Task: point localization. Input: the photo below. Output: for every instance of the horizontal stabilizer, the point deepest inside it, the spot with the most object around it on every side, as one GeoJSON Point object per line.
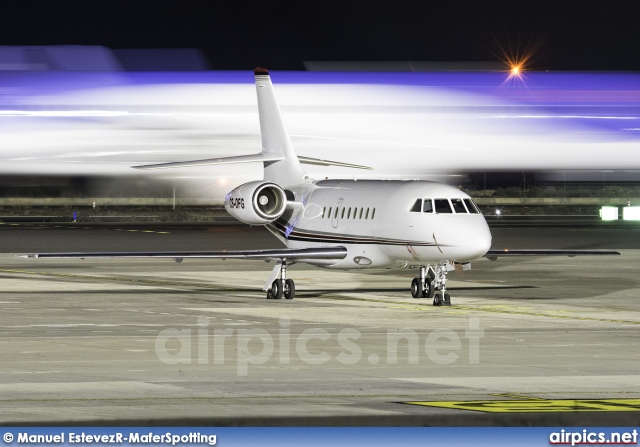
{"type": "Point", "coordinates": [493, 254]}
{"type": "Point", "coordinates": [320, 162]}
{"type": "Point", "coordinates": [253, 158]}
{"type": "Point", "coordinates": [215, 161]}
{"type": "Point", "coordinates": [337, 252]}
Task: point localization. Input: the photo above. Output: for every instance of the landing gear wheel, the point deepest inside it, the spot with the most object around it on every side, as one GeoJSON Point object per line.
{"type": "Point", "coordinates": [447, 300]}
{"type": "Point", "coordinates": [276, 289]}
{"type": "Point", "coordinates": [437, 300]}
{"type": "Point", "coordinates": [428, 290]}
{"type": "Point", "coordinates": [416, 288]}
{"type": "Point", "coordinates": [289, 289]}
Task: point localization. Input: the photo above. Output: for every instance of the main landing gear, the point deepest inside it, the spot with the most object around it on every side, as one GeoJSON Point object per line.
{"type": "Point", "coordinates": [282, 286]}
{"type": "Point", "coordinates": [432, 284]}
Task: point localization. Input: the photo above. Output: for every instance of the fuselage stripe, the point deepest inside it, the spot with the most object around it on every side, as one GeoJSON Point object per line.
{"type": "Point", "coordinates": [296, 235]}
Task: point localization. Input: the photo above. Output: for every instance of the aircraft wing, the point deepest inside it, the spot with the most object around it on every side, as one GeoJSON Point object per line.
{"type": "Point", "coordinates": [336, 252]}
{"type": "Point", "coordinates": [494, 254]}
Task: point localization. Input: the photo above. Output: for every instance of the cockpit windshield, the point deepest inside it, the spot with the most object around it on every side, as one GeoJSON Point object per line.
{"type": "Point", "coordinates": [458, 206]}
{"type": "Point", "coordinates": [445, 206]}
{"type": "Point", "coordinates": [471, 206]}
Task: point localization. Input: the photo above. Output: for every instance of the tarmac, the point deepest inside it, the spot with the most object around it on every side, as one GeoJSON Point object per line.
{"type": "Point", "coordinates": [530, 341]}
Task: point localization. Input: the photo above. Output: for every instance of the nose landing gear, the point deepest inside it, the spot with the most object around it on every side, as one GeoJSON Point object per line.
{"type": "Point", "coordinates": [432, 279]}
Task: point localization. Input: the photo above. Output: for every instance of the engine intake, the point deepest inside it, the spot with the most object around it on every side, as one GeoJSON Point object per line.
{"type": "Point", "coordinates": [256, 203]}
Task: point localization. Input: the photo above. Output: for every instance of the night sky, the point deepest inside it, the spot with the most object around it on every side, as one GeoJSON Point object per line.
{"type": "Point", "coordinates": [239, 35]}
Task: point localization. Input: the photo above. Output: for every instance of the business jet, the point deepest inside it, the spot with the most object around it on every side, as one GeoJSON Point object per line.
{"type": "Point", "coordinates": [344, 224]}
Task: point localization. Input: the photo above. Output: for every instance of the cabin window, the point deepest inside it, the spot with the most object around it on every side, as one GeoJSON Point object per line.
{"type": "Point", "coordinates": [349, 213]}
{"type": "Point", "coordinates": [373, 213]}
{"type": "Point", "coordinates": [342, 214]}
{"type": "Point", "coordinates": [416, 206]}
{"type": "Point", "coordinates": [427, 207]}
{"type": "Point", "coordinates": [361, 210]}
{"type": "Point", "coordinates": [443, 206]}
{"type": "Point", "coordinates": [473, 209]}
{"type": "Point", "coordinates": [324, 210]}
{"type": "Point", "coordinates": [366, 216]}
{"type": "Point", "coordinates": [458, 206]}
{"type": "Point", "coordinates": [335, 213]}
{"type": "Point", "coordinates": [329, 215]}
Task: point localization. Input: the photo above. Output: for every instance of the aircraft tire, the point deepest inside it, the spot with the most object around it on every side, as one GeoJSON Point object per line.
{"type": "Point", "coordinates": [416, 288]}
{"type": "Point", "coordinates": [276, 289]}
{"type": "Point", "coordinates": [290, 289]}
{"type": "Point", "coordinates": [447, 300]}
{"type": "Point", "coordinates": [429, 290]}
{"type": "Point", "coordinates": [437, 300]}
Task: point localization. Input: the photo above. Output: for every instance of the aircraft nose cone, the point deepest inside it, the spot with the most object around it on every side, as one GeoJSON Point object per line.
{"type": "Point", "coordinates": [478, 239]}
{"type": "Point", "coordinates": [461, 238]}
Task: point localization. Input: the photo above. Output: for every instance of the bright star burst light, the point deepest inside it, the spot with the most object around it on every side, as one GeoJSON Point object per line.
{"type": "Point", "coordinates": [516, 68]}
{"type": "Point", "coordinates": [518, 59]}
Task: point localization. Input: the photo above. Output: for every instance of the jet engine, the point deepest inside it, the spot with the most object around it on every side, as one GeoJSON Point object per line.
{"type": "Point", "coordinates": [256, 203]}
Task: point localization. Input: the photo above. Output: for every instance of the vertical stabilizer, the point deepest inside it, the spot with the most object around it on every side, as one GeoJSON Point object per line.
{"type": "Point", "coordinates": [275, 138]}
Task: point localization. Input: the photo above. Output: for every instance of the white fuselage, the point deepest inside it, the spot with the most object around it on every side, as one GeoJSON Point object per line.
{"type": "Point", "coordinates": [381, 225]}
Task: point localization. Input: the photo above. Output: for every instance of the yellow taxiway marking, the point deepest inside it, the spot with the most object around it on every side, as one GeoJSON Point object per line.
{"type": "Point", "coordinates": [537, 405]}
{"type": "Point", "coordinates": [499, 309]}
{"type": "Point", "coordinates": [503, 309]}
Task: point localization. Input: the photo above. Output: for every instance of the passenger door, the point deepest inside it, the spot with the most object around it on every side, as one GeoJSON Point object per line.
{"type": "Point", "coordinates": [335, 218]}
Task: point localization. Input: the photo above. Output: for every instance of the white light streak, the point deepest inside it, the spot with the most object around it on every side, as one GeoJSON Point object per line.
{"type": "Point", "coordinates": [74, 113]}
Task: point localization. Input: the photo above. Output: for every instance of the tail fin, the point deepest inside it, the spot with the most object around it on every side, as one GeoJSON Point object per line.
{"type": "Point", "coordinates": [281, 164]}
{"type": "Point", "coordinates": [275, 138]}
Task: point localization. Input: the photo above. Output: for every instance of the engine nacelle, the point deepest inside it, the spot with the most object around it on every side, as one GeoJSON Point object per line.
{"type": "Point", "coordinates": [256, 203]}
